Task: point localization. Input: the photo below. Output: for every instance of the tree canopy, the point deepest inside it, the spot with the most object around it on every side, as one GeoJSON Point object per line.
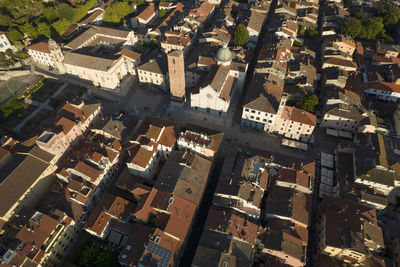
{"type": "Point", "coordinates": [309, 103]}
{"type": "Point", "coordinates": [351, 27]}
{"type": "Point", "coordinates": [115, 13]}
{"type": "Point", "coordinates": [50, 14]}
{"type": "Point", "coordinates": [44, 29]}
{"type": "Point", "coordinates": [241, 36]}
{"type": "Point", "coordinates": [65, 11]}
{"type": "Point", "coordinates": [5, 20]}
{"type": "Point", "coordinates": [373, 28]}
{"type": "Point", "coordinates": [14, 35]}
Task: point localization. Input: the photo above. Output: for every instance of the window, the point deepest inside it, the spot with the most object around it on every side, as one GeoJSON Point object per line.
{"type": "Point", "coordinates": [251, 117]}
{"type": "Point", "coordinates": [246, 109]}
{"type": "Point", "coordinates": [253, 111]}
{"type": "Point", "coordinates": [264, 120]}
{"type": "Point", "coordinates": [258, 118]}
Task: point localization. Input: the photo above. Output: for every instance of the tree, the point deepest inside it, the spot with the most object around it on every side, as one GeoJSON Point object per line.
{"type": "Point", "coordinates": [50, 14]}
{"type": "Point", "coordinates": [65, 11]}
{"type": "Point", "coordinates": [14, 35]}
{"type": "Point", "coordinates": [60, 25]}
{"type": "Point", "coordinates": [117, 12]}
{"type": "Point", "coordinates": [351, 27]}
{"type": "Point", "coordinates": [372, 28]}
{"type": "Point", "coordinates": [309, 103]}
{"type": "Point", "coordinates": [29, 30]}
{"type": "Point", "coordinates": [241, 36]}
{"type": "Point", "coordinates": [161, 13]}
{"type": "Point", "coordinates": [44, 28]}
{"type": "Point", "coordinates": [5, 20]}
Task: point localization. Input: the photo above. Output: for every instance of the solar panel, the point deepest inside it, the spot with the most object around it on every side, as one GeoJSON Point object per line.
{"type": "Point", "coordinates": [165, 255]}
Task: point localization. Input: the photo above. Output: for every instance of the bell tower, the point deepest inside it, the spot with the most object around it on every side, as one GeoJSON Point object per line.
{"type": "Point", "coordinates": [176, 70]}
{"type": "Point", "coordinates": [57, 55]}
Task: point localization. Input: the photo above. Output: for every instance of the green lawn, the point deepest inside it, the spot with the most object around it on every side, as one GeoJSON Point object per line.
{"type": "Point", "coordinates": [69, 93]}
{"type": "Point", "coordinates": [14, 111]}
{"type": "Point", "coordinates": [44, 92]}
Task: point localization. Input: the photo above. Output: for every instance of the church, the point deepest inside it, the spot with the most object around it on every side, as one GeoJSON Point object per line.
{"type": "Point", "coordinates": [218, 82]}
{"type": "Point", "coordinates": [100, 55]}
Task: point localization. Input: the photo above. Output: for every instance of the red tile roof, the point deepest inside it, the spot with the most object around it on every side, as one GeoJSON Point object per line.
{"type": "Point", "coordinates": [41, 47]}
{"type": "Point", "coordinates": [129, 53]}
{"type": "Point", "coordinates": [383, 86]}
{"type": "Point", "coordinates": [147, 13]}
{"type": "Point", "coordinates": [299, 115]}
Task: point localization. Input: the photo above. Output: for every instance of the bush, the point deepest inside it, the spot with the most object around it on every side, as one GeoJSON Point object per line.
{"type": "Point", "coordinates": [241, 36]}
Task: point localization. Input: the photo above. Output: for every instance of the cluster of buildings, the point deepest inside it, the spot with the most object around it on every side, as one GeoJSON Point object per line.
{"type": "Point", "coordinates": [282, 72]}
{"type": "Point", "coordinates": [140, 185]}
{"type": "Point", "coordinates": [233, 233]}
{"type": "Point", "coordinates": [60, 182]}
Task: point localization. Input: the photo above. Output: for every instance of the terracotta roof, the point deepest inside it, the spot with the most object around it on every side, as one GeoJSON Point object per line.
{"type": "Point", "coordinates": [167, 137]}
{"type": "Point", "coordinates": [227, 89]}
{"type": "Point", "coordinates": [227, 222]}
{"type": "Point", "coordinates": [147, 13]}
{"type": "Point", "coordinates": [206, 61]}
{"type": "Point", "coordinates": [37, 230]}
{"type": "Point", "coordinates": [294, 177]}
{"type": "Point", "coordinates": [298, 115]}
{"type": "Point", "coordinates": [143, 155]}
{"type": "Point", "coordinates": [207, 7]}
{"type": "Point", "coordinates": [129, 182]}
{"type": "Point", "coordinates": [184, 174]}
{"type": "Point", "coordinates": [41, 47]}
{"type": "Point", "coordinates": [87, 170]}
{"type": "Point", "coordinates": [383, 86]}
{"type": "Point", "coordinates": [129, 53]}
{"type": "Point", "coordinates": [91, 17]}
{"type": "Point", "coordinates": [346, 41]}
{"type": "Point", "coordinates": [182, 212]}
{"type": "Point", "coordinates": [289, 203]}
{"type": "Point", "coordinates": [256, 21]}
{"type": "Point", "coordinates": [69, 30]}
{"type": "Point", "coordinates": [350, 218]}
{"type": "Point", "coordinates": [340, 62]}
{"type": "Point", "coordinates": [109, 206]}
{"type": "Point", "coordinates": [144, 205]}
